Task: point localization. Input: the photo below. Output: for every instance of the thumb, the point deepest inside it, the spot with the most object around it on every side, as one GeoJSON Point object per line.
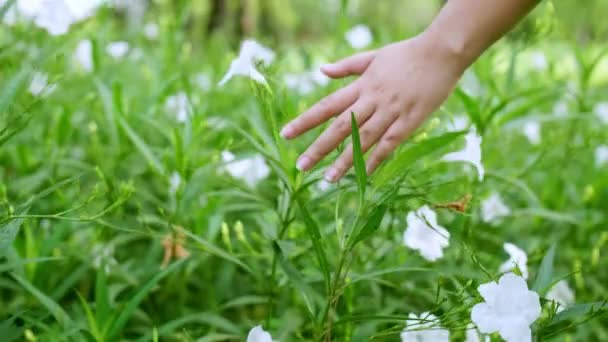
{"type": "Point", "coordinates": [353, 65]}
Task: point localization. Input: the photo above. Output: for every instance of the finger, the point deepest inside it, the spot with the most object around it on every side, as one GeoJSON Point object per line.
{"type": "Point", "coordinates": [353, 65]}
{"type": "Point", "coordinates": [334, 135]}
{"type": "Point", "coordinates": [395, 135]}
{"type": "Point", "coordinates": [369, 134]}
{"type": "Point", "coordinates": [321, 111]}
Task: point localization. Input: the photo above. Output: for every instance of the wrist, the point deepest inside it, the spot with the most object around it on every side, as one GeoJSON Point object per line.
{"type": "Point", "coordinates": [452, 49]}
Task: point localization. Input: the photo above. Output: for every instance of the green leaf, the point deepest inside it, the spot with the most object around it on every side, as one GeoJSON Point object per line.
{"type": "Point", "coordinates": [471, 105]}
{"type": "Point", "coordinates": [93, 326]}
{"type": "Point", "coordinates": [371, 225]}
{"type": "Point", "coordinates": [199, 318]}
{"type": "Point", "coordinates": [8, 233]}
{"type": "Point", "coordinates": [298, 282]}
{"type": "Point", "coordinates": [545, 273]}
{"type": "Point", "coordinates": [410, 155]}
{"type": "Point", "coordinates": [9, 331]}
{"type": "Point", "coordinates": [244, 301]}
{"type": "Point", "coordinates": [358, 160]}
{"type": "Point", "coordinates": [579, 311]}
{"type": "Point", "coordinates": [312, 229]}
{"type": "Point", "coordinates": [55, 309]}
{"type": "Point", "coordinates": [127, 310]}
{"type": "Point", "coordinates": [212, 249]}
{"type": "Point", "coordinates": [102, 298]}
{"type": "Point", "coordinates": [11, 88]}
{"type": "Point", "coordinates": [141, 146]}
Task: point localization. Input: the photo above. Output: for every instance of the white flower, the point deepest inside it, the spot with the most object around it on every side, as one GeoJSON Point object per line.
{"type": "Point", "coordinates": [470, 154]}
{"type": "Point", "coordinates": [117, 49]}
{"type": "Point", "coordinates": [509, 308]}
{"type": "Point", "coordinates": [601, 155]}
{"type": "Point", "coordinates": [175, 180]}
{"type": "Point", "coordinates": [202, 81]}
{"type": "Point", "coordinates": [424, 328]}
{"type": "Point", "coordinates": [562, 294]}
{"type": "Point", "coordinates": [531, 130]}
{"type": "Point", "coordinates": [227, 156]}
{"type": "Point", "coordinates": [39, 84]}
{"type": "Point", "coordinates": [560, 109]}
{"type": "Point", "coordinates": [52, 15]}
{"type": "Point", "coordinates": [258, 334]}
{"type": "Point", "coordinates": [601, 110]}
{"type": "Point", "coordinates": [359, 37]}
{"type": "Point", "coordinates": [245, 64]}
{"type": "Point", "coordinates": [103, 257]}
{"type": "Point", "coordinates": [151, 31]}
{"type": "Point", "coordinates": [493, 208]}
{"type": "Point", "coordinates": [305, 83]}
{"type": "Point", "coordinates": [55, 16]}
{"type": "Point", "coordinates": [301, 83]}
{"type": "Point", "coordinates": [539, 61]}
{"type": "Point", "coordinates": [80, 9]}
{"type": "Point", "coordinates": [178, 105]}
{"type": "Point", "coordinates": [323, 185]}
{"type": "Point", "coordinates": [457, 123]}
{"type": "Point", "coordinates": [250, 170]}
{"type": "Point", "coordinates": [517, 258]}
{"type": "Point", "coordinates": [425, 235]}
{"type": "Point", "coordinates": [84, 55]}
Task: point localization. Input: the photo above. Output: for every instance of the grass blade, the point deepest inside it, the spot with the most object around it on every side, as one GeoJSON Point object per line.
{"type": "Point", "coordinates": [297, 281]}
{"type": "Point", "coordinates": [412, 154]}
{"type": "Point", "coordinates": [141, 145]}
{"type": "Point", "coordinates": [128, 309]}
{"type": "Point", "coordinates": [545, 273]}
{"type": "Point", "coordinates": [8, 233]}
{"type": "Point", "coordinates": [312, 229]}
{"type": "Point", "coordinates": [55, 309]}
{"type": "Point", "coordinates": [212, 249]}
{"type": "Point", "coordinates": [9, 331]}
{"type": "Point", "coordinates": [358, 159]}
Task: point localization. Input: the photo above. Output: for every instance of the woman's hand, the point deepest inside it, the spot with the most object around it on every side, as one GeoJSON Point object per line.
{"type": "Point", "coordinates": [400, 86]}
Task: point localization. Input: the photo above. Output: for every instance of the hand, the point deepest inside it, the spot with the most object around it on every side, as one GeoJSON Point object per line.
{"type": "Point", "coordinates": [400, 86]}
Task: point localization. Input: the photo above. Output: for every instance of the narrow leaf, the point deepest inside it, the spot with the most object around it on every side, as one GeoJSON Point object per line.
{"type": "Point", "coordinates": [8, 233]}
{"type": "Point", "coordinates": [545, 273]}
{"type": "Point", "coordinates": [371, 225]}
{"type": "Point", "coordinates": [312, 229]}
{"type": "Point", "coordinates": [358, 160]}
{"type": "Point", "coordinates": [410, 155]}
{"type": "Point", "coordinates": [141, 146]}
{"type": "Point", "coordinates": [130, 307]}
{"type": "Point", "coordinates": [55, 309]}
{"type": "Point", "coordinates": [214, 250]}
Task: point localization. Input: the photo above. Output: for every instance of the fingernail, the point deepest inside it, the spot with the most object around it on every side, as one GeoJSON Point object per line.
{"type": "Point", "coordinates": [287, 132]}
{"type": "Point", "coordinates": [331, 175]}
{"type": "Point", "coordinates": [304, 163]}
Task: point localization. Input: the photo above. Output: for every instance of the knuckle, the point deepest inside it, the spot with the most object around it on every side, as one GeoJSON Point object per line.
{"type": "Point", "coordinates": [391, 140]}
{"type": "Point", "coordinates": [325, 105]}
{"type": "Point", "coordinates": [343, 125]}
{"type": "Point", "coordinates": [366, 133]}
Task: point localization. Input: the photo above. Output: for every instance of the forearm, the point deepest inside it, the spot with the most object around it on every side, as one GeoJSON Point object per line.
{"type": "Point", "coordinates": [464, 29]}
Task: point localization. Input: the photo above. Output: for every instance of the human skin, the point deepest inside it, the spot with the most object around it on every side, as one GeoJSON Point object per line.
{"type": "Point", "coordinates": [401, 84]}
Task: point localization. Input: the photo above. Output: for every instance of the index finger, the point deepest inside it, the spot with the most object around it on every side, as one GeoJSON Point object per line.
{"type": "Point", "coordinates": [322, 111]}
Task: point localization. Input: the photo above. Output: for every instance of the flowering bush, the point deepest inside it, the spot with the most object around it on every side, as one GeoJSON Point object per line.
{"type": "Point", "coordinates": [146, 193]}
